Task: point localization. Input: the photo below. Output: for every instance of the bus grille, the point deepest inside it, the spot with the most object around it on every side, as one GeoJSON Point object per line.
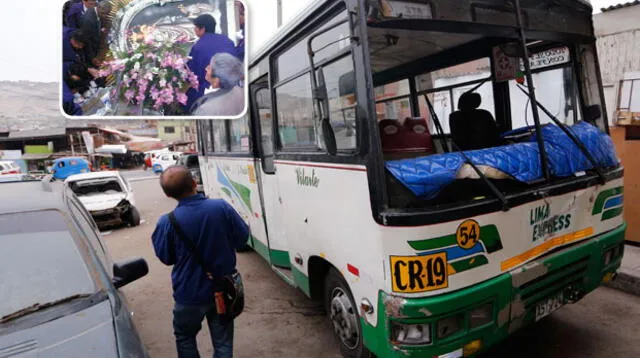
{"type": "Point", "coordinates": [553, 281]}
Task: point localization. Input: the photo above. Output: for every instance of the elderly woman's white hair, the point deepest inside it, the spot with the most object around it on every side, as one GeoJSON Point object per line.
{"type": "Point", "coordinates": [228, 69]}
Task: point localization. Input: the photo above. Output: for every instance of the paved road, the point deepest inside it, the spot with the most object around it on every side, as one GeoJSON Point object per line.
{"type": "Point", "coordinates": [279, 321]}
{"type": "Point", "coordinates": [138, 174]}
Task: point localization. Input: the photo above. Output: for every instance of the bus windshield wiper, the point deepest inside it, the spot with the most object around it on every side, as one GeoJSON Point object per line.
{"type": "Point", "coordinates": [467, 160]}
{"type": "Point", "coordinates": [38, 307]}
{"type": "Point", "coordinates": [574, 139]}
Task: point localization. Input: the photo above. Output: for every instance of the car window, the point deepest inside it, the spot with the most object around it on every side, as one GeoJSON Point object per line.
{"type": "Point", "coordinates": [92, 233]}
{"type": "Point", "coordinates": [40, 261]}
{"type": "Point", "coordinates": [60, 164]}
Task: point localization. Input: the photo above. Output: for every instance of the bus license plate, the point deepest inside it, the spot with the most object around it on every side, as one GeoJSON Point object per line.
{"type": "Point", "coordinates": [411, 274]}
{"type": "Point", "coordinates": [548, 306]}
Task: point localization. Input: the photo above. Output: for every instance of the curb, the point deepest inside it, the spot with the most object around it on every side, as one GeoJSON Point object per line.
{"type": "Point", "coordinates": [626, 281]}
{"type": "Point", "coordinates": [143, 178]}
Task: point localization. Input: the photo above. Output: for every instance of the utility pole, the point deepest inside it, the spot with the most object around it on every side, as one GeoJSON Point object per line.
{"type": "Point", "coordinates": [73, 152]}
{"type": "Point", "coordinates": [279, 5]}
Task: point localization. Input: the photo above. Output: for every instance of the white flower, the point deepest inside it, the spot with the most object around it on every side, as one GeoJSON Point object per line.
{"type": "Point", "coordinates": [136, 66]}
{"type": "Point", "coordinates": [163, 82]}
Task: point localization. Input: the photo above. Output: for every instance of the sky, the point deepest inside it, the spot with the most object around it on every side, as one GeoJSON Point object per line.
{"type": "Point", "coordinates": [30, 42]}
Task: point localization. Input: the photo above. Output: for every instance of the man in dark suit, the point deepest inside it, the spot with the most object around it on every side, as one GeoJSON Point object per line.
{"type": "Point", "coordinates": [74, 15]}
{"type": "Point", "coordinates": [91, 27]}
{"type": "Point", "coordinates": [208, 44]}
{"type": "Point", "coordinates": [73, 42]}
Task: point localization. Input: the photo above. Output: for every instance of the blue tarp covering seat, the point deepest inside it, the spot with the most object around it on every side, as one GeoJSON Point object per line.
{"type": "Point", "coordinates": [426, 176]}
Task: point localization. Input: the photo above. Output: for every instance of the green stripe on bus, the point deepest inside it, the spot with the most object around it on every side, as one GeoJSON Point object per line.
{"type": "Point", "coordinates": [435, 243]}
{"type": "Point", "coordinates": [602, 197]}
{"type": "Point", "coordinates": [302, 281]}
{"type": "Point", "coordinates": [611, 213]}
{"type": "Point", "coordinates": [469, 263]}
{"type": "Point", "coordinates": [275, 257]}
{"type": "Point", "coordinates": [489, 235]}
{"type": "Point", "coordinates": [226, 191]}
{"type": "Point", "coordinates": [261, 249]}
{"type": "Point", "coordinates": [244, 192]}
{"type": "Point", "coordinates": [280, 258]}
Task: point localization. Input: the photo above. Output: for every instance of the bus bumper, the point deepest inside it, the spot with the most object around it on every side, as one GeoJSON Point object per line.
{"type": "Point", "coordinates": [470, 320]}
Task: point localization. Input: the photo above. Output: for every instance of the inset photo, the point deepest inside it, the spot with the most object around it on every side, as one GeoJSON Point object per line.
{"type": "Point", "coordinates": [148, 59]}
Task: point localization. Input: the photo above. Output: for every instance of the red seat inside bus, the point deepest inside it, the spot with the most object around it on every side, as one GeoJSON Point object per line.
{"type": "Point", "coordinates": [411, 137]}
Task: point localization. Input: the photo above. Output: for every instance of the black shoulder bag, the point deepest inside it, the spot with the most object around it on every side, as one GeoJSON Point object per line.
{"type": "Point", "coordinates": [228, 290]}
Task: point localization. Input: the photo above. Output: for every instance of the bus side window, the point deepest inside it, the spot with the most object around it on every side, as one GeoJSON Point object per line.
{"type": "Point", "coordinates": [263, 103]}
{"type": "Point", "coordinates": [342, 101]}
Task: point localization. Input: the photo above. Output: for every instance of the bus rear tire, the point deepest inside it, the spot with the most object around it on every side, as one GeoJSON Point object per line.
{"type": "Point", "coordinates": [343, 314]}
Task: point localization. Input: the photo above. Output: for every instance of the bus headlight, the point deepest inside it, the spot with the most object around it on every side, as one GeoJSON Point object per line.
{"type": "Point", "coordinates": [480, 316]}
{"type": "Point", "coordinates": [449, 326]}
{"type": "Point", "coordinates": [413, 334]}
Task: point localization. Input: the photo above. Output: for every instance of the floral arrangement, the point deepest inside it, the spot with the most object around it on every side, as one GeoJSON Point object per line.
{"type": "Point", "coordinates": [154, 72]}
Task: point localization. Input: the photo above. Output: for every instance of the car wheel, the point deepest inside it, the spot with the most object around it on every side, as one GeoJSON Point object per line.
{"type": "Point", "coordinates": [133, 217]}
{"type": "Point", "coordinates": [343, 313]}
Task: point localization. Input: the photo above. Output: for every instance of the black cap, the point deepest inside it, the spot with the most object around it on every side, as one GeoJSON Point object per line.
{"type": "Point", "coordinates": [207, 22]}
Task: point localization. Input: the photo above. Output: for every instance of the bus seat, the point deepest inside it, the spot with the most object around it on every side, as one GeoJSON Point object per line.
{"type": "Point", "coordinates": [409, 138]}
{"type": "Point", "coordinates": [418, 137]}
{"type": "Point", "coordinates": [473, 128]}
{"type": "Point", "coordinates": [390, 131]}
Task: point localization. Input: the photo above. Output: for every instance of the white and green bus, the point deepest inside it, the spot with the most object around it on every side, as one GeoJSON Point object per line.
{"type": "Point", "coordinates": [438, 172]}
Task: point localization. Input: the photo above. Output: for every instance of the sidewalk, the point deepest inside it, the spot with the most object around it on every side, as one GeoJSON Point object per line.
{"type": "Point", "coordinates": [628, 279]}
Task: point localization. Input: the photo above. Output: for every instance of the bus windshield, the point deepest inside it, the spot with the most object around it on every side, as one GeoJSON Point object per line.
{"type": "Point", "coordinates": [463, 117]}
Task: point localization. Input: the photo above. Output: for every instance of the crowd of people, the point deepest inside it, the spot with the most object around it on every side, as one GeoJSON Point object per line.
{"type": "Point", "coordinates": [214, 58]}
{"type": "Point", "coordinates": [218, 63]}
{"type": "Point", "coordinates": [82, 34]}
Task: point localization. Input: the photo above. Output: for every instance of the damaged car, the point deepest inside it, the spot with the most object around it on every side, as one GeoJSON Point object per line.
{"type": "Point", "coordinates": [107, 196]}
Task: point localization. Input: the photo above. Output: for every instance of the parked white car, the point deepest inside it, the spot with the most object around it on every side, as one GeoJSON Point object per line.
{"type": "Point", "coordinates": [164, 160]}
{"type": "Point", "coordinates": [107, 196]}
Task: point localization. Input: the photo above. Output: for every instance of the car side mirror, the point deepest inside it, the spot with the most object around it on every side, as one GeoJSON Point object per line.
{"type": "Point", "coordinates": [127, 271]}
{"type": "Point", "coordinates": [592, 113]}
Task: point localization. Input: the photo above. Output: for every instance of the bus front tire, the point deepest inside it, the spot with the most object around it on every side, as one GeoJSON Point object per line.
{"type": "Point", "coordinates": [343, 314]}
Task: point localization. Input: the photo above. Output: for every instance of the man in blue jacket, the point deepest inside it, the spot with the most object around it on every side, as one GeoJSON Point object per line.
{"type": "Point", "coordinates": [208, 44]}
{"type": "Point", "coordinates": [217, 231]}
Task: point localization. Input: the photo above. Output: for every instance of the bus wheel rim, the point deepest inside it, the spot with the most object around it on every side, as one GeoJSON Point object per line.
{"type": "Point", "coordinates": [344, 318]}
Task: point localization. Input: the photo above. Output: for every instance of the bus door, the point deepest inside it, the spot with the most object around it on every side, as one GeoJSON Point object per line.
{"type": "Point", "coordinates": [273, 213]}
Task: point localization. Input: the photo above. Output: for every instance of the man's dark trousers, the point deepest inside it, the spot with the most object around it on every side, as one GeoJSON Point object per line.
{"type": "Point", "coordinates": [187, 321]}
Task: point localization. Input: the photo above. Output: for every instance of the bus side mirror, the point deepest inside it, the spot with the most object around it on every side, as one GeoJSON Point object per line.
{"type": "Point", "coordinates": [593, 113]}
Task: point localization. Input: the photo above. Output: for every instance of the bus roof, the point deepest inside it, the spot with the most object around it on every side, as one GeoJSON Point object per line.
{"type": "Point", "coordinates": [302, 15]}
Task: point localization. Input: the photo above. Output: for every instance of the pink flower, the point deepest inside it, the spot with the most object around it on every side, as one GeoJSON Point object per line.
{"type": "Point", "coordinates": [140, 97]}
{"type": "Point", "coordinates": [159, 102]}
{"type": "Point", "coordinates": [129, 94]}
{"type": "Point", "coordinates": [155, 93]}
{"type": "Point", "coordinates": [182, 98]}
